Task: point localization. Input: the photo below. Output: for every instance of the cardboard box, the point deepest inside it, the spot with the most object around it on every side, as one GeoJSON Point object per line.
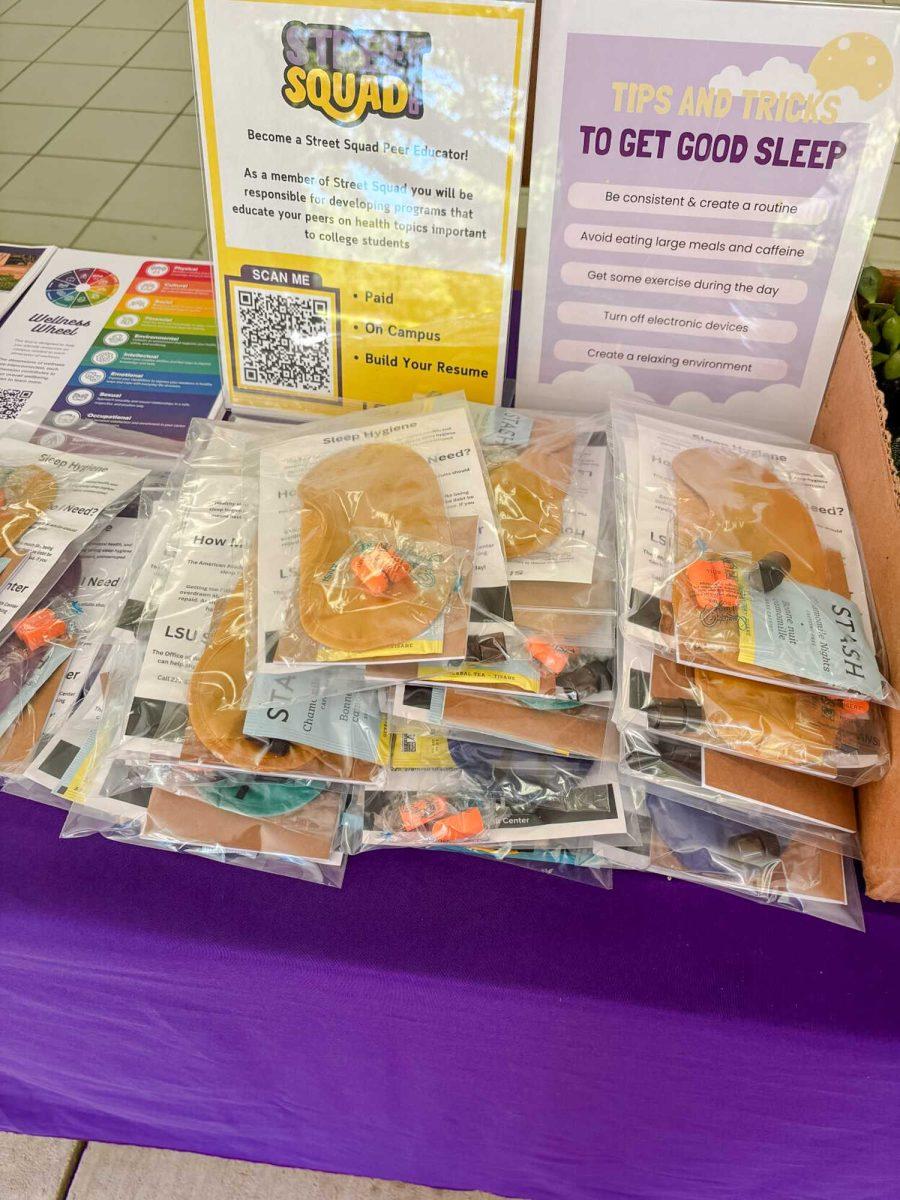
{"type": "Point", "coordinates": [852, 424]}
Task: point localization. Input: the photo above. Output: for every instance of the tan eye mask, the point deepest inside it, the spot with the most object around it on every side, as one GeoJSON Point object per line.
{"type": "Point", "coordinates": [530, 490]}
{"type": "Point", "coordinates": [217, 717]}
{"type": "Point", "coordinates": [738, 507]}
{"type": "Point", "coordinates": [214, 699]}
{"type": "Point", "coordinates": [772, 724]}
{"type": "Point", "coordinates": [25, 495]}
{"type": "Point", "coordinates": [366, 504]}
{"type": "Point", "coordinates": [754, 717]}
{"type": "Point", "coordinates": [730, 508]}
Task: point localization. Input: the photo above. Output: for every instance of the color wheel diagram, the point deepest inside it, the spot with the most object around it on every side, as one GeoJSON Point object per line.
{"type": "Point", "coordinates": [82, 287]}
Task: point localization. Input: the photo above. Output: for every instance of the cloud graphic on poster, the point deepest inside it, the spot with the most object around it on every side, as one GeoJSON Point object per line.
{"type": "Point", "coordinates": [853, 109]}
{"type": "Point", "coordinates": [591, 390]}
{"type": "Point", "coordinates": [774, 408]}
{"type": "Point", "coordinates": [777, 75]}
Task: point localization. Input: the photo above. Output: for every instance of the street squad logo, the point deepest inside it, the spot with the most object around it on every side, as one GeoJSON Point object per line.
{"type": "Point", "coordinates": [346, 74]}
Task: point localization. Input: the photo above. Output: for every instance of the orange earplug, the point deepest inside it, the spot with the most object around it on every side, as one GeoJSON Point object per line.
{"type": "Point", "coordinates": [375, 582]}
{"type": "Point", "coordinates": [416, 813]}
{"type": "Point", "coordinates": [554, 658]}
{"type": "Point", "coordinates": [461, 825]}
{"type": "Point", "coordinates": [39, 628]}
{"type": "Point", "coordinates": [378, 568]}
{"type": "Point", "coordinates": [713, 584]}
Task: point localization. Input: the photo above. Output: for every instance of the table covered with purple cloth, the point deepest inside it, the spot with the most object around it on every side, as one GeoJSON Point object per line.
{"type": "Point", "coordinates": [447, 1021]}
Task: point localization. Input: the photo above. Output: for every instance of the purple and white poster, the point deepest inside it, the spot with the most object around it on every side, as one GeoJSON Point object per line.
{"type": "Point", "coordinates": [705, 179]}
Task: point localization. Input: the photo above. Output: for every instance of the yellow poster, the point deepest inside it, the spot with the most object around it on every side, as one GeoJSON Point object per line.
{"type": "Point", "coordinates": [362, 167]}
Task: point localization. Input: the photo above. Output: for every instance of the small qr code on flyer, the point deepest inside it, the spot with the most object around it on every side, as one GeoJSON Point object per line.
{"type": "Point", "coordinates": [12, 401]}
{"type": "Point", "coordinates": [285, 340]}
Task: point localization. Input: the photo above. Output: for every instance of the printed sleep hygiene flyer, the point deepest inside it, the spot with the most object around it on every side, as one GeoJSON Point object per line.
{"type": "Point", "coordinates": [362, 172]}
{"type": "Point", "coordinates": [114, 338]}
{"type": "Point", "coordinates": [704, 182]}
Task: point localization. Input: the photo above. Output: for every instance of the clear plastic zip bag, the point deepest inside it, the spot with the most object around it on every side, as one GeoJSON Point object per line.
{"type": "Point", "coordinates": [543, 655]}
{"type": "Point", "coordinates": [537, 723]}
{"type": "Point", "coordinates": [52, 504]}
{"type": "Point", "coordinates": [288, 826]}
{"type": "Point", "coordinates": [303, 843]}
{"type": "Point", "coordinates": [687, 843]}
{"type": "Point", "coordinates": [553, 499]}
{"type": "Point", "coordinates": [485, 794]}
{"type": "Point", "coordinates": [740, 555]}
{"type": "Point", "coordinates": [50, 659]}
{"type": "Point", "coordinates": [807, 810]}
{"type": "Point", "coordinates": [180, 699]}
{"type": "Point", "coordinates": [837, 739]}
{"type": "Point", "coordinates": [371, 532]}
{"type": "Point", "coordinates": [112, 572]}
{"type": "Point", "coordinates": [202, 727]}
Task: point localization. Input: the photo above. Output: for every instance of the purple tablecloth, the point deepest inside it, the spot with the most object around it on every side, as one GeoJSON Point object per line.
{"type": "Point", "coordinates": [450, 1022]}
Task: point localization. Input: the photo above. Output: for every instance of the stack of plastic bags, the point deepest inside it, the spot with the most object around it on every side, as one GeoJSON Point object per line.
{"type": "Point", "coordinates": [398, 629]}
{"type": "Point", "coordinates": [68, 532]}
{"type": "Point", "coordinates": [751, 671]}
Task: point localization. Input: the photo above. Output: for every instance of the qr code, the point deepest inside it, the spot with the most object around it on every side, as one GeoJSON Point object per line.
{"type": "Point", "coordinates": [12, 401]}
{"type": "Point", "coordinates": [285, 340]}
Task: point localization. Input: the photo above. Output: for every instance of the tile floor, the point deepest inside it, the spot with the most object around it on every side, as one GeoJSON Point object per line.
{"type": "Point", "coordinates": [98, 137]}
{"type": "Point", "coordinates": [55, 1169]}
{"type": "Point", "coordinates": [98, 133]}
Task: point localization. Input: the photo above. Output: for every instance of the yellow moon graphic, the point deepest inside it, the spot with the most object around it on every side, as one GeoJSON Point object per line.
{"type": "Point", "coordinates": [858, 60]}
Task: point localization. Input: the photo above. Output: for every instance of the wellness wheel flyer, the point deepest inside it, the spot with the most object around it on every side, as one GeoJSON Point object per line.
{"type": "Point", "coordinates": [704, 183]}
{"type": "Point", "coordinates": [112, 337]}
{"type": "Point", "coordinates": [362, 172]}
